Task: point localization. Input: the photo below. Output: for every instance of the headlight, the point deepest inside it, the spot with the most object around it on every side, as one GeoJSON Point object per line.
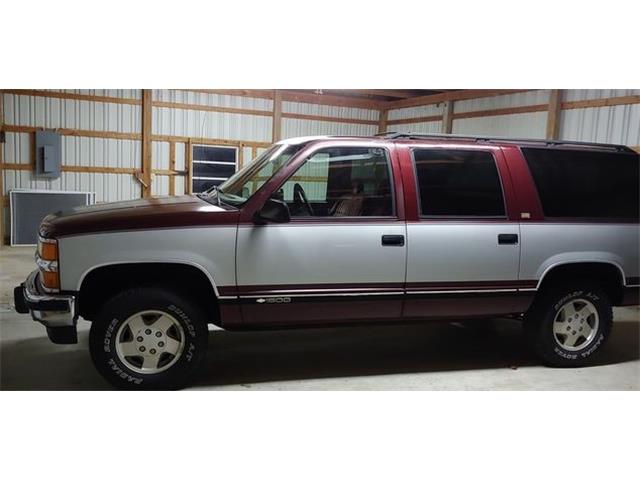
{"type": "Point", "coordinates": [47, 261]}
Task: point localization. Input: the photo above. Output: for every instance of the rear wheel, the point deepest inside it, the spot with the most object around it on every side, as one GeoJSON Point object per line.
{"type": "Point", "coordinates": [148, 338]}
{"type": "Point", "coordinates": [568, 325]}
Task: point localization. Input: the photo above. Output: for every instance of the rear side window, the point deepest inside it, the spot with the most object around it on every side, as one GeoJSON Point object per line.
{"type": "Point", "coordinates": [459, 183]}
{"type": "Point", "coordinates": [585, 184]}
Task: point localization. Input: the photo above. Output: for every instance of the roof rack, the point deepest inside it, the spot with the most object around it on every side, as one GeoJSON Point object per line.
{"type": "Point", "coordinates": [480, 139]}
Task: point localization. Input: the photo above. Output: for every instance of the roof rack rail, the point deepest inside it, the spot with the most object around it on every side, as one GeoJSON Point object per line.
{"type": "Point", "coordinates": [482, 139]}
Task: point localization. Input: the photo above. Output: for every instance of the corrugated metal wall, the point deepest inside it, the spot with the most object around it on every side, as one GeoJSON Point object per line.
{"type": "Point", "coordinates": [619, 124]}
{"type": "Point", "coordinates": [296, 127]}
{"type": "Point", "coordinates": [30, 111]}
{"type": "Point", "coordinates": [610, 124]}
{"type": "Point", "coordinates": [522, 125]}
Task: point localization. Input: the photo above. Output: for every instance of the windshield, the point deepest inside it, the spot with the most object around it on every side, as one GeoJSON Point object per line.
{"type": "Point", "coordinates": [246, 181]}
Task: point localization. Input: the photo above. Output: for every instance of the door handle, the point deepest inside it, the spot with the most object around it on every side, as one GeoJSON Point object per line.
{"type": "Point", "coordinates": [392, 240]}
{"type": "Point", "coordinates": [507, 238]}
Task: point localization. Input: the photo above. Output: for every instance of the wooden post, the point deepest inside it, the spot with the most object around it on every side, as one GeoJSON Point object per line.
{"type": "Point", "coordinates": [188, 155]}
{"type": "Point", "coordinates": [254, 153]}
{"type": "Point", "coordinates": [553, 114]}
{"type": "Point", "coordinates": [172, 167]}
{"type": "Point", "coordinates": [240, 156]}
{"type": "Point", "coordinates": [447, 117]}
{"type": "Point", "coordinates": [383, 116]}
{"type": "Point", "coordinates": [277, 116]}
{"type": "Point", "coordinates": [146, 142]}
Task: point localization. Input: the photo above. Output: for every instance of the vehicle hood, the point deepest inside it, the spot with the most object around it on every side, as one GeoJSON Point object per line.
{"type": "Point", "coordinates": [144, 214]}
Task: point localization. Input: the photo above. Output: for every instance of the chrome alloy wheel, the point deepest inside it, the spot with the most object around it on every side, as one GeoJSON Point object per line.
{"type": "Point", "coordinates": [150, 341]}
{"type": "Point", "coordinates": [576, 324]}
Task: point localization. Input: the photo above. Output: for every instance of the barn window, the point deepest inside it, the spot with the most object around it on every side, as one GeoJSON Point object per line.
{"type": "Point", "coordinates": [212, 166]}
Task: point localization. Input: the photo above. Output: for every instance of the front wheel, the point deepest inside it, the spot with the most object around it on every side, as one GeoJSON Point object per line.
{"type": "Point", "coordinates": [148, 338]}
{"type": "Point", "coordinates": [568, 325]}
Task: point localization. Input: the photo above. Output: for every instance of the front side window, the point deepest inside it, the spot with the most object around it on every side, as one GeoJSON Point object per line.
{"type": "Point", "coordinates": [584, 183]}
{"type": "Point", "coordinates": [458, 183]}
{"type": "Point", "coordinates": [241, 186]}
{"type": "Point", "coordinates": [341, 182]}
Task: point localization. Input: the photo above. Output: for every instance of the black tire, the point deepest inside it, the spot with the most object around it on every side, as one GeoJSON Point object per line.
{"type": "Point", "coordinates": [104, 328]}
{"type": "Point", "coordinates": [539, 324]}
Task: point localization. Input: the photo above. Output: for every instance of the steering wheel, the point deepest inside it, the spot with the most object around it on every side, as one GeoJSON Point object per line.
{"type": "Point", "coordinates": [300, 198]}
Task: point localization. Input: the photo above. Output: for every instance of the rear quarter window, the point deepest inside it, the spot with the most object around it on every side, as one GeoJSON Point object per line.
{"type": "Point", "coordinates": [586, 184]}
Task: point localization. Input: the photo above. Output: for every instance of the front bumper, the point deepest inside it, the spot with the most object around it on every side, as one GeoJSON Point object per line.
{"type": "Point", "coordinates": [54, 311]}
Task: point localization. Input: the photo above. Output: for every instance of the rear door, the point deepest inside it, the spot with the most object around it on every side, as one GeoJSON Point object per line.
{"type": "Point", "coordinates": [463, 242]}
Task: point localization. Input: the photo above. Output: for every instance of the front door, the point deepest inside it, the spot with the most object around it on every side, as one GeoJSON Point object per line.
{"type": "Point", "coordinates": [342, 258]}
{"type": "Point", "coordinates": [464, 249]}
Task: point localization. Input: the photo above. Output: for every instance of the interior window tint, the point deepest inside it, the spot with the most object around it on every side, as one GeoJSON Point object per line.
{"type": "Point", "coordinates": [341, 182]}
{"type": "Point", "coordinates": [458, 183]}
{"type": "Point", "coordinates": [585, 184]}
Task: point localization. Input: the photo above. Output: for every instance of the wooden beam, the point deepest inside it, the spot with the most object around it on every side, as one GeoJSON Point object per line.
{"type": "Point", "coordinates": [383, 93]}
{"type": "Point", "coordinates": [276, 129]}
{"type": "Point", "coordinates": [172, 166]}
{"type": "Point", "coordinates": [188, 159]}
{"type": "Point", "coordinates": [553, 114]}
{"type": "Point", "coordinates": [206, 141]}
{"type": "Point", "coordinates": [602, 102]}
{"type": "Point", "coordinates": [146, 142]}
{"type": "Point", "coordinates": [75, 133]}
{"type": "Point", "coordinates": [447, 117]}
{"type": "Point", "coordinates": [320, 118]}
{"type": "Point", "coordinates": [254, 152]}
{"type": "Point", "coordinates": [268, 94]}
{"type": "Point", "coordinates": [297, 96]}
{"type": "Point", "coordinates": [210, 108]}
{"type": "Point", "coordinates": [432, 118]}
{"type": "Point", "coordinates": [383, 116]}
{"type": "Point", "coordinates": [501, 111]}
{"type": "Point", "coordinates": [443, 97]}
{"type": "Point", "coordinates": [73, 168]}
{"type": "Point", "coordinates": [75, 96]}
{"type": "Point", "coordinates": [327, 99]}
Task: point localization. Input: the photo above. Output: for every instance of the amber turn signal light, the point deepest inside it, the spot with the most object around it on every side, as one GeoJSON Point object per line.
{"type": "Point", "coordinates": [48, 250]}
{"type": "Point", "coordinates": [50, 280]}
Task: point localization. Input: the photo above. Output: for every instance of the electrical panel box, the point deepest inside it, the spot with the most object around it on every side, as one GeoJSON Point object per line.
{"type": "Point", "coordinates": [48, 154]}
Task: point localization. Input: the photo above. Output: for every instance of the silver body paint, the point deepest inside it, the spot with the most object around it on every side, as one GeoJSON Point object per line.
{"type": "Point", "coordinates": [211, 249]}
{"type": "Point", "coordinates": [547, 245]}
{"type": "Point", "coordinates": [304, 253]}
{"type": "Point", "coordinates": [461, 252]}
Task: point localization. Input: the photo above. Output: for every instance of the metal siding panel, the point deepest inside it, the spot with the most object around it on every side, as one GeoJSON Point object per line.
{"type": "Point", "coordinates": [292, 127]}
{"type": "Point", "coordinates": [618, 124]}
{"type": "Point", "coordinates": [329, 111]}
{"type": "Point", "coordinates": [413, 112]}
{"type": "Point", "coordinates": [535, 97]}
{"type": "Point", "coordinates": [160, 155]}
{"type": "Point", "coordinates": [576, 95]}
{"type": "Point", "coordinates": [75, 114]}
{"type": "Point", "coordinates": [523, 125]}
{"type": "Point", "coordinates": [423, 127]}
{"type": "Point", "coordinates": [180, 160]}
{"type": "Point", "coordinates": [195, 123]}
{"type": "Point", "coordinates": [160, 185]}
{"type": "Point", "coordinates": [213, 100]}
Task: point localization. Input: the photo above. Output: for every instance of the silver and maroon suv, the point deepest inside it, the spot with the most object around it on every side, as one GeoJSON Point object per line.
{"type": "Point", "coordinates": [350, 230]}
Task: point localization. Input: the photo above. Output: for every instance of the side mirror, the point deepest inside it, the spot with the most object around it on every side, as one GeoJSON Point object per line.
{"type": "Point", "coordinates": [273, 211]}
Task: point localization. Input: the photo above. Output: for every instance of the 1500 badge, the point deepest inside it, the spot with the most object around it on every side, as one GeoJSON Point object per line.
{"type": "Point", "coordinates": [274, 300]}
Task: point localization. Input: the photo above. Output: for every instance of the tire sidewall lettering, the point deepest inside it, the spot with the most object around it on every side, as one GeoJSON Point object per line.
{"type": "Point", "coordinates": [595, 345]}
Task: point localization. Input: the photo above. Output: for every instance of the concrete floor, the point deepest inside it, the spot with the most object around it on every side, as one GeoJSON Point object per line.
{"type": "Point", "coordinates": [487, 356]}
